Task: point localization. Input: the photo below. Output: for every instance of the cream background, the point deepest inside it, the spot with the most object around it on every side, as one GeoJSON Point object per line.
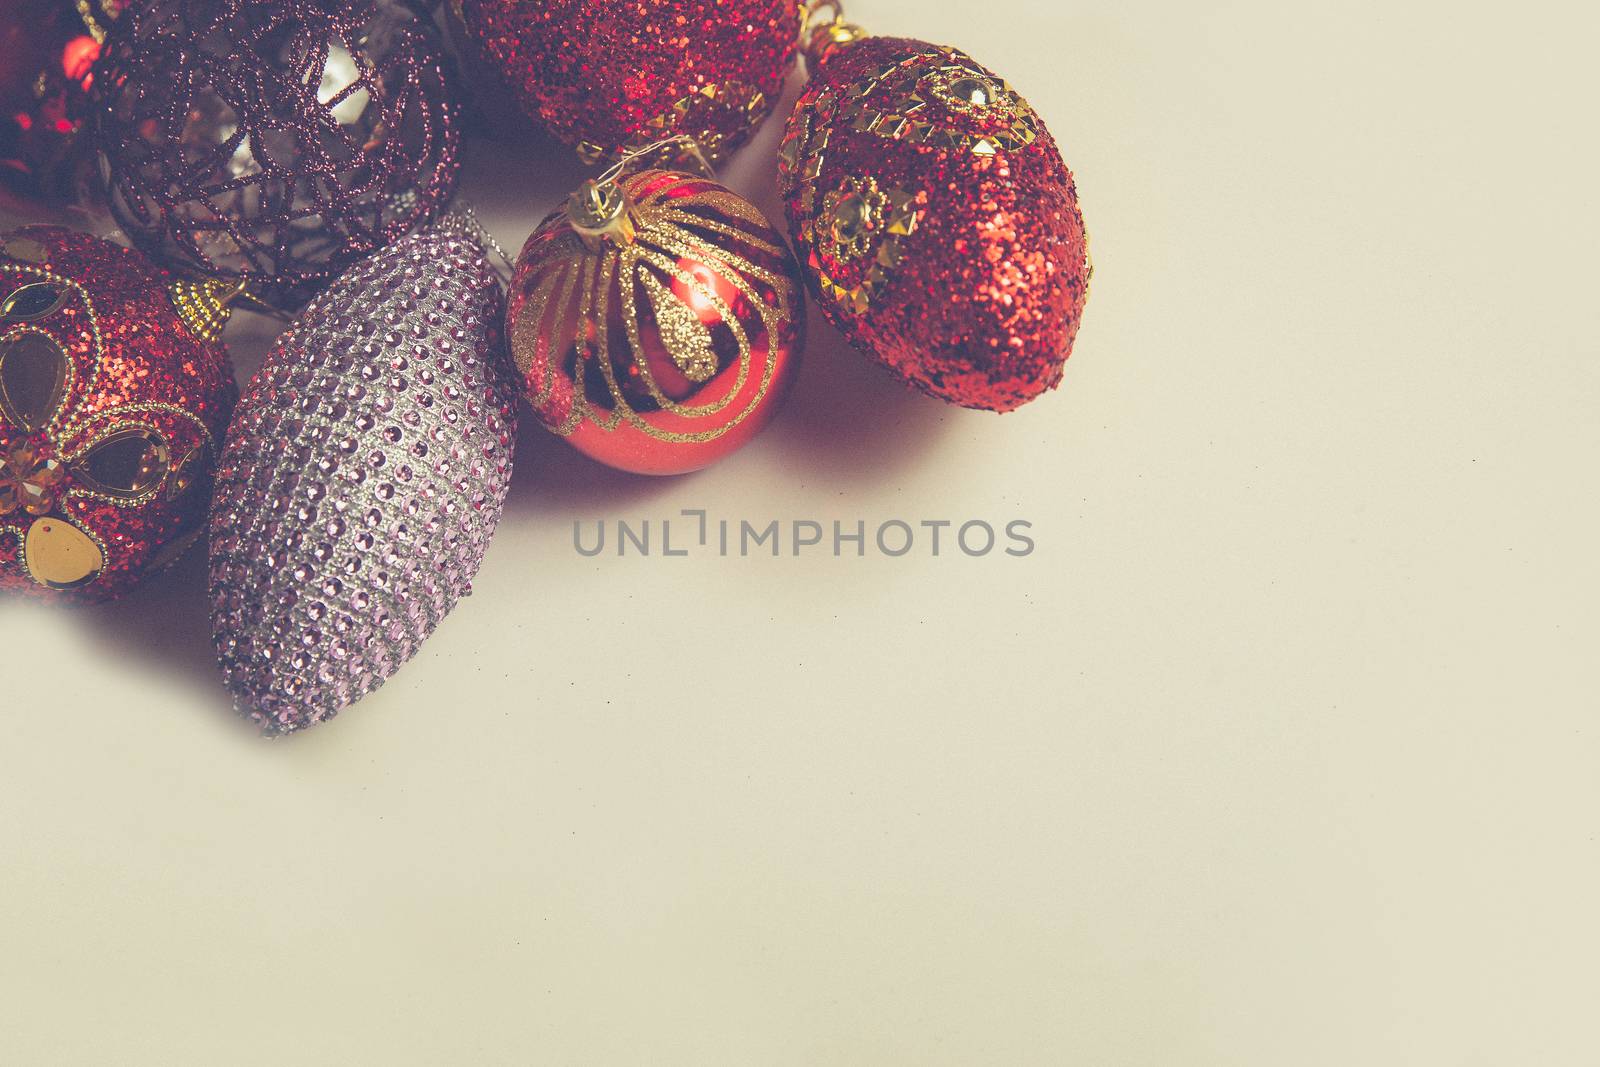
{"type": "Point", "coordinates": [1279, 750]}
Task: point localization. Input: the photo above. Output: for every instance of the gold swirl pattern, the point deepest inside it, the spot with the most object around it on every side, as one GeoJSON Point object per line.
{"type": "Point", "coordinates": [678, 332]}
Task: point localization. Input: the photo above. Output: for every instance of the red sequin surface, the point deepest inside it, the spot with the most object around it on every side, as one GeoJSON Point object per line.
{"type": "Point", "coordinates": [618, 72]}
{"type": "Point", "coordinates": [936, 222]}
{"type": "Point", "coordinates": [111, 414]}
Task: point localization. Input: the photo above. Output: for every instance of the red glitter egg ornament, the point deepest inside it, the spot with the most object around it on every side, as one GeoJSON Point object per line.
{"type": "Point", "coordinates": [280, 139]}
{"type": "Point", "coordinates": [609, 75]}
{"type": "Point", "coordinates": [114, 396]}
{"type": "Point", "coordinates": [47, 52]}
{"type": "Point", "coordinates": [938, 226]}
{"type": "Point", "coordinates": [657, 321]}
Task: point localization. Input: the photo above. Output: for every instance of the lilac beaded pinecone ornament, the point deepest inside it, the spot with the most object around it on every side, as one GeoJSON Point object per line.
{"type": "Point", "coordinates": [363, 475]}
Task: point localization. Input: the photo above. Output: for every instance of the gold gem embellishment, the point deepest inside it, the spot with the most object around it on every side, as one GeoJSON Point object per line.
{"type": "Point", "coordinates": [60, 555]}
{"type": "Point", "coordinates": [964, 91]}
{"type": "Point", "coordinates": [901, 101]}
{"type": "Point", "coordinates": [28, 480]}
{"type": "Point", "coordinates": [701, 115]}
{"type": "Point", "coordinates": [935, 99]}
{"type": "Point", "coordinates": [860, 220]}
{"type": "Point", "coordinates": [852, 216]}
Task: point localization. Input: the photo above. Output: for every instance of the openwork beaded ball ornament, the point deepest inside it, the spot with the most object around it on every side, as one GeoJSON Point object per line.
{"type": "Point", "coordinates": [937, 224]}
{"type": "Point", "coordinates": [279, 139]}
{"type": "Point", "coordinates": [112, 408]}
{"type": "Point", "coordinates": [607, 75]}
{"type": "Point", "coordinates": [364, 473]}
{"type": "Point", "coordinates": [657, 321]}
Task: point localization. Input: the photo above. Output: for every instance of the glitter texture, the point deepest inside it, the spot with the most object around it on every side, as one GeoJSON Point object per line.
{"type": "Point", "coordinates": [280, 139]}
{"type": "Point", "coordinates": [672, 351]}
{"type": "Point", "coordinates": [111, 413]}
{"type": "Point", "coordinates": [364, 473]}
{"type": "Point", "coordinates": [937, 224]}
{"type": "Point", "coordinates": [602, 75]}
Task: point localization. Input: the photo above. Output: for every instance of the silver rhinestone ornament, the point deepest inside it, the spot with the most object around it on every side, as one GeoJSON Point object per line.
{"type": "Point", "coordinates": [364, 472]}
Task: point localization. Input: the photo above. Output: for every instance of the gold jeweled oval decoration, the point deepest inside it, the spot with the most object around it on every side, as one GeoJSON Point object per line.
{"type": "Point", "coordinates": [34, 301]}
{"type": "Point", "coordinates": [125, 464]}
{"type": "Point", "coordinates": [33, 378]}
{"type": "Point", "coordinates": [60, 555]}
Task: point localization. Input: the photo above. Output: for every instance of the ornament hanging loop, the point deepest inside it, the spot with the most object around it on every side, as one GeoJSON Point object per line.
{"type": "Point", "coordinates": [823, 28]}
{"type": "Point", "coordinates": [602, 213]}
{"type": "Point", "coordinates": [686, 148]}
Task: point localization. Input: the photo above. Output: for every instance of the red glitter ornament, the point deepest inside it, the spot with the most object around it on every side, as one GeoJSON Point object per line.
{"type": "Point", "coordinates": [112, 408]}
{"type": "Point", "coordinates": [608, 75]}
{"type": "Point", "coordinates": [279, 139]}
{"type": "Point", "coordinates": [657, 321]}
{"type": "Point", "coordinates": [937, 224]}
{"type": "Point", "coordinates": [47, 51]}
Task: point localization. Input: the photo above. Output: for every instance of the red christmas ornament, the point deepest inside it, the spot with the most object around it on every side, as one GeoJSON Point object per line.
{"type": "Point", "coordinates": [656, 320]}
{"type": "Point", "coordinates": [47, 52]}
{"type": "Point", "coordinates": [112, 408]}
{"type": "Point", "coordinates": [937, 224]}
{"type": "Point", "coordinates": [282, 140]}
{"type": "Point", "coordinates": [609, 75]}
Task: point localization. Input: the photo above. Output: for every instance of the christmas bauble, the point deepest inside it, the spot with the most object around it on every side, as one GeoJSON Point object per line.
{"type": "Point", "coordinates": [604, 75]}
{"type": "Point", "coordinates": [364, 472]}
{"type": "Point", "coordinates": [47, 52]}
{"type": "Point", "coordinates": [937, 224]}
{"type": "Point", "coordinates": [657, 321]}
{"type": "Point", "coordinates": [112, 406]}
{"type": "Point", "coordinates": [280, 139]}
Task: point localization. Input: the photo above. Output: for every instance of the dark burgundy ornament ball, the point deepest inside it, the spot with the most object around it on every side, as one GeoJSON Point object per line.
{"type": "Point", "coordinates": [283, 140]}
{"type": "Point", "coordinates": [604, 75]}
{"type": "Point", "coordinates": [935, 220]}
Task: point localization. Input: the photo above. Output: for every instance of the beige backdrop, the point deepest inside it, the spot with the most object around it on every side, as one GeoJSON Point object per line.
{"type": "Point", "coordinates": [1280, 749]}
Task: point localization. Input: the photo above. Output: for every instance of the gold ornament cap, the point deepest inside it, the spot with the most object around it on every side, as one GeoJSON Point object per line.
{"type": "Point", "coordinates": [825, 30]}
{"type": "Point", "coordinates": [602, 213]}
{"type": "Point", "coordinates": [205, 306]}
